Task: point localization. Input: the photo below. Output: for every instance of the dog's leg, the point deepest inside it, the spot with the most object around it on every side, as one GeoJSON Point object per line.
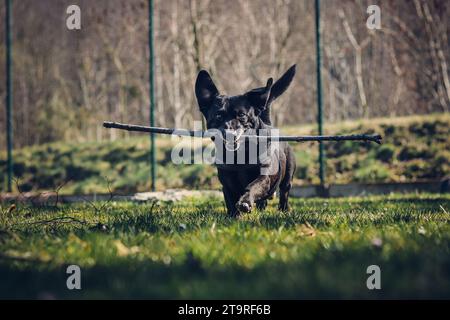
{"type": "Point", "coordinates": [285, 185]}
{"type": "Point", "coordinates": [254, 191]}
{"type": "Point", "coordinates": [261, 204]}
{"type": "Point", "coordinates": [231, 191]}
{"type": "Point", "coordinates": [284, 197]}
{"type": "Point", "coordinates": [230, 200]}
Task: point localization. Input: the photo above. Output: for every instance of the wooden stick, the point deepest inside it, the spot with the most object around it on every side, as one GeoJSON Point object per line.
{"type": "Point", "coordinates": [204, 134]}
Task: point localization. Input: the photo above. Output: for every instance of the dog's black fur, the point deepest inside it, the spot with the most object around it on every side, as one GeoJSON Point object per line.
{"type": "Point", "coordinates": [244, 185]}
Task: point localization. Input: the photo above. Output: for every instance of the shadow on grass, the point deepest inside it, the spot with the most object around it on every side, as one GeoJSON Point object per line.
{"type": "Point", "coordinates": [330, 275]}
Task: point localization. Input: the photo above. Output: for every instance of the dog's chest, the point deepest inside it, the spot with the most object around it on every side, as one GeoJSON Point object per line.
{"type": "Point", "coordinates": [239, 177]}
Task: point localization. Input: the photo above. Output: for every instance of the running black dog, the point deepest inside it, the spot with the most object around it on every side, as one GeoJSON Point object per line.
{"type": "Point", "coordinates": [252, 182]}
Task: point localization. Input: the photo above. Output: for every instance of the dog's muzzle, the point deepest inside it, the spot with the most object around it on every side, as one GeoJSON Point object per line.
{"type": "Point", "coordinates": [232, 140]}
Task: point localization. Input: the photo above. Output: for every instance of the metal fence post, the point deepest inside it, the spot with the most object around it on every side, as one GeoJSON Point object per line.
{"type": "Point", "coordinates": [9, 92]}
{"type": "Point", "coordinates": [152, 94]}
{"type": "Point", "coordinates": [319, 94]}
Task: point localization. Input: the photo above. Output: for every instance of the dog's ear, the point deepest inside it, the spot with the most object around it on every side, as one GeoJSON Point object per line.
{"type": "Point", "coordinates": [205, 90]}
{"type": "Point", "coordinates": [260, 96]}
{"type": "Point", "coordinates": [275, 90]}
{"type": "Point", "coordinates": [282, 84]}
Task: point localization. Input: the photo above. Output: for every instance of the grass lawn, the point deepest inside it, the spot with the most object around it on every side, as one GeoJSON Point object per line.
{"type": "Point", "coordinates": [191, 249]}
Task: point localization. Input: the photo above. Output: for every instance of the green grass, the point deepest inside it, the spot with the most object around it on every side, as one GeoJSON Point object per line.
{"type": "Point", "coordinates": [191, 249]}
{"type": "Point", "coordinates": [415, 149]}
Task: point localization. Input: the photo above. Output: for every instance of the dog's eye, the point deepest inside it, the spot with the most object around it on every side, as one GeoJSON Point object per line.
{"type": "Point", "coordinates": [241, 114]}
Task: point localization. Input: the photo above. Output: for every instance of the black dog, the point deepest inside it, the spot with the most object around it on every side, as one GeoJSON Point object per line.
{"type": "Point", "coordinates": [246, 184]}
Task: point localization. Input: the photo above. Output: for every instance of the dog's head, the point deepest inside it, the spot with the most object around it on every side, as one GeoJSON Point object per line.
{"type": "Point", "coordinates": [242, 112]}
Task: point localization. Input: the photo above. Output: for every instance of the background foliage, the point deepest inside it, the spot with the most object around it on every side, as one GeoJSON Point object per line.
{"type": "Point", "coordinates": [67, 82]}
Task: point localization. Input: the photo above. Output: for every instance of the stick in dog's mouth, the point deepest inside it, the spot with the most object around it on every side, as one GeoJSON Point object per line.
{"type": "Point", "coordinates": [202, 134]}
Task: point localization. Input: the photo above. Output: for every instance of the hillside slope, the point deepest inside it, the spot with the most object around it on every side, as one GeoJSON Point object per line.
{"type": "Point", "coordinates": [415, 148]}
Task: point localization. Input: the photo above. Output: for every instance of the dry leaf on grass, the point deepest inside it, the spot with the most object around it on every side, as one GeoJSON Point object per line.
{"type": "Point", "coordinates": [123, 251]}
{"type": "Point", "coordinates": [306, 230]}
{"type": "Point", "coordinates": [12, 208]}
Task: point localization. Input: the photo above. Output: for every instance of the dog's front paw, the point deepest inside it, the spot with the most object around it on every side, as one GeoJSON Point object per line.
{"type": "Point", "coordinates": [244, 206]}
